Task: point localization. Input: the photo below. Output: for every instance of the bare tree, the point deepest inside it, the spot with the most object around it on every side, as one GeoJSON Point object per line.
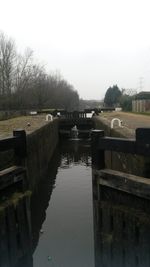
{"type": "Point", "coordinates": [7, 58]}
{"type": "Point", "coordinates": [23, 70]}
{"type": "Point", "coordinates": [26, 85]}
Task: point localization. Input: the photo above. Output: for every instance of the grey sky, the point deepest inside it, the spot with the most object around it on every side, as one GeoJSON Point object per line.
{"type": "Point", "coordinates": [93, 43]}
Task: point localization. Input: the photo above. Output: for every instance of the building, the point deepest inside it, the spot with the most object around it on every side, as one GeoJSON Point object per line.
{"type": "Point", "coordinates": [141, 103]}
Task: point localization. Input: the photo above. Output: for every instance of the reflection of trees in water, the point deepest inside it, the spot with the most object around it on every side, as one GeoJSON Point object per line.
{"type": "Point", "coordinates": [122, 233]}
{"type": "Point", "coordinates": [75, 152]}
{"type": "Point", "coordinates": [69, 153]}
{"type": "Point", "coordinates": [41, 197]}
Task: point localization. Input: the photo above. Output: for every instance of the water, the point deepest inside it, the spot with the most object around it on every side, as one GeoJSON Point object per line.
{"type": "Point", "coordinates": [67, 238]}
{"type": "Point", "coordinates": [74, 132]}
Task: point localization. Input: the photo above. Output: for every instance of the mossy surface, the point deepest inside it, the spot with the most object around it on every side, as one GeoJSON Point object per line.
{"type": "Point", "coordinates": [13, 199]}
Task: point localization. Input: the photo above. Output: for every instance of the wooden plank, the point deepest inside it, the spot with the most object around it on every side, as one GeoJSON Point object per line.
{"type": "Point", "coordinates": [23, 227]}
{"type": "Point", "coordinates": [140, 146]}
{"type": "Point", "coordinates": [14, 169]}
{"type": "Point", "coordinates": [4, 255]}
{"type": "Point", "coordinates": [128, 183]}
{"type": "Point", "coordinates": [84, 131]}
{"type": "Point", "coordinates": [28, 215]}
{"type": "Point", "coordinates": [12, 234]}
{"type": "Point", "coordinates": [117, 144]}
{"type": "Point", "coordinates": [12, 175]}
{"type": "Point", "coordinates": [20, 144]}
{"type": "Point", "coordinates": [8, 143]}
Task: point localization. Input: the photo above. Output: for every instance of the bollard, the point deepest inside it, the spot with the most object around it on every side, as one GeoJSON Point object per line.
{"type": "Point", "coordinates": [98, 156]}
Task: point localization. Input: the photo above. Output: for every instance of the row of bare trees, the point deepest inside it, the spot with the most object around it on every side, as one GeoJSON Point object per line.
{"type": "Point", "coordinates": [26, 85]}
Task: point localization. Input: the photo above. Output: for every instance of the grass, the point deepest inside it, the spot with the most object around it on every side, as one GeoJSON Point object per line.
{"type": "Point", "coordinates": [7, 126]}
{"type": "Point", "coordinates": [141, 113]}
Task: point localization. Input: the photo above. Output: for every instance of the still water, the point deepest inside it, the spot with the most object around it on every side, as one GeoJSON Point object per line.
{"type": "Point", "coordinates": [66, 236]}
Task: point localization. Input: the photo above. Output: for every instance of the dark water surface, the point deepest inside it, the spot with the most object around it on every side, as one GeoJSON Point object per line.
{"type": "Point", "coordinates": [67, 238]}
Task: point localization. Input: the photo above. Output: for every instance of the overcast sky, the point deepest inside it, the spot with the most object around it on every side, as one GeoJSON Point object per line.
{"type": "Point", "coordinates": [93, 43]}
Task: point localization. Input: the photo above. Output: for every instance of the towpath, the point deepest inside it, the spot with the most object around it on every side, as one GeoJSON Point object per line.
{"type": "Point", "coordinates": [27, 123]}
{"type": "Point", "coordinates": [130, 121]}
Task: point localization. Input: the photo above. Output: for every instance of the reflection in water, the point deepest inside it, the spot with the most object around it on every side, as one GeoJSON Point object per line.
{"type": "Point", "coordinates": [76, 152]}
{"type": "Point", "coordinates": [67, 232]}
{"type": "Point", "coordinates": [74, 132]}
{"type": "Point", "coordinates": [41, 197]}
{"type": "Point", "coordinates": [122, 233]}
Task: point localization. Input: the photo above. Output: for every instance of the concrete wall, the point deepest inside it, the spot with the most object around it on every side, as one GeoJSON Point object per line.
{"type": "Point", "coordinates": [40, 148]}
{"type": "Point", "coordinates": [128, 163]}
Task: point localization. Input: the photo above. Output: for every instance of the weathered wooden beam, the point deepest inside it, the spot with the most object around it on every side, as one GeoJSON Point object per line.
{"type": "Point", "coordinates": [4, 248]}
{"type": "Point", "coordinates": [117, 144]}
{"type": "Point", "coordinates": [20, 144]}
{"type": "Point", "coordinates": [17, 142]}
{"type": "Point", "coordinates": [12, 175]}
{"type": "Point", "coordinates": [8, 143]}
{"type": "Point", "coordinates": [64, 131]}
{"type": "Point", "coordinates": [98, 155]}
{"type": "Point", "coordinates": [12, 234]}
{"type": "Point", "coordinates": [125, 145]}
{"type": "Point", "coordinates": [132, 184]}
{"type": "Point", "coordinates": [86, 131]}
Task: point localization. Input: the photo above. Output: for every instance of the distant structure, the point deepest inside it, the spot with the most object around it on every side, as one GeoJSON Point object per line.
{"type": "Point", "coordinates": [141, 103]}
{"type": "Point", "coordinates": [89, 104]}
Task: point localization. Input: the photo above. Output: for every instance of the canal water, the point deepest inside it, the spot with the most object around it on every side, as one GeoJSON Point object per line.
{"type": "Point", "coordinates": [63, 210]}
